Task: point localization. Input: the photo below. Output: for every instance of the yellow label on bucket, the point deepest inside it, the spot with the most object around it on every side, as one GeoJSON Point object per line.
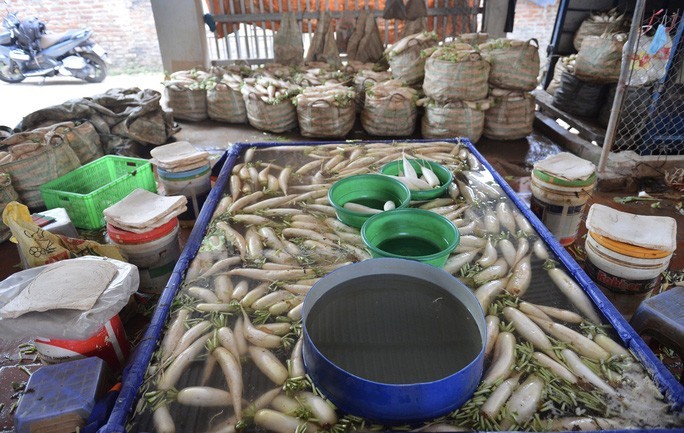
{"type": "Point", "coordinates": [629, 249]}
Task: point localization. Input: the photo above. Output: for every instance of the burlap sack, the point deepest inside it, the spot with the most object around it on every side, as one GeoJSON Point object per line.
{"type": "Point", "coordinates": [83, 140]}
{"type": "Point", "coordinates": [464, 80]}
{"type": "Point", "coordinates": [454, 119]}
{"type": "Point", "coordinates": [393, 115]}
{"type": "Point", "coordinates": [558, 70]}
{"type": "Point", "coordinates": [320, 119]}
{"type": "Point", "coordinates": [287, 43]}
{"type": "Point", "coordinates": [7, 195]}
{"type": "Point", "coordinates": [226, 105]}
{"type": "Point", "coordinates": [593, 26]}
{"type": "Point", "coordinates": [187, 104]}
{"type": "Point", "coordinates": [275, 118]}
{"type": "Point", "coordinates": [514, 64]}
{"type": "Point", "coordinates": [364, 79]}
{"type": "Point", "coordinates": [409, 65]}
{"type": "Point", "coordinates": [599, 60]}
{"type": "Point", "coordinates": [511, 115]}
{"type": "Point", "coordinates": [48, 162]}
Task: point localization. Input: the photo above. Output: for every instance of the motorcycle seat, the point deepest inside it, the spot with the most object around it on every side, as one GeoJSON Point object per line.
{"type": "Point", "coordinates": [50, 39]}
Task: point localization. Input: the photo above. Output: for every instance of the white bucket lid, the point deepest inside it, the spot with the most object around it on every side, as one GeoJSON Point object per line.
{"type": "Point", "coordinates": [178, 154]}
{"type": "Point", "coordinates": [655, 232]}
{"type": "Point", "coordinates": [142, 210]}
{"type": "Point", "coordinates": [567, 166]}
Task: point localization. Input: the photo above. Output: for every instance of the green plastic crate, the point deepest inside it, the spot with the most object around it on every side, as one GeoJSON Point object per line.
{"type": "Point", "coordinates": [87, 191]}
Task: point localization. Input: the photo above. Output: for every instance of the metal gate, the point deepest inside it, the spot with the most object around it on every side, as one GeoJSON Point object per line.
{"type": "Point", "coordinates": [245, 28]}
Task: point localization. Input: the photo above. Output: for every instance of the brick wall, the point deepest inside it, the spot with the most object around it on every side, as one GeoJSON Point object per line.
{"type": "Point", "coordinates": [533, 21]}
{"type": "Point", "coordinates": [125, 28]}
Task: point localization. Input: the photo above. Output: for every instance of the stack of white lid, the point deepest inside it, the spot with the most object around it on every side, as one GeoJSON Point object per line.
{"type": "Point", "coordinates": [178, 156]}
{"type": "Point", "coordinates": [142, 211]}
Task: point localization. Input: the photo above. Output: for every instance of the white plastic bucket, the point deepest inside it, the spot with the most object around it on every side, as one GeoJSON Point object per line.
{"type": "Point", "coordinates": [193, 184]}
{"type": "Point", "coordinates": [559, 203]}
{"type": "Point", "coordinates": [155, 253]}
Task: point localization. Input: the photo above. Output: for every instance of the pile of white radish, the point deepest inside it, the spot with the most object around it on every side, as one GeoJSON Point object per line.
{"type": "Point", "coordinates": [409, 176]}
{"type": "Point", "coordinates": [232, 347]}
{"type": "Point", "coordinates": [269, 89]}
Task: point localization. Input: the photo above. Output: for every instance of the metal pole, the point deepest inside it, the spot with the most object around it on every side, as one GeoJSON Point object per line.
{"type": "Point", "coordinates": [628, 50]}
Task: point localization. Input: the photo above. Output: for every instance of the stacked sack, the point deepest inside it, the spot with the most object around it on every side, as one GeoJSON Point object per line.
{"type": "Point", "coordinates": [456, 87]}
{"type": "Point", "coordinates": [390, 109]}
{"type": "Point", "coordinates": [224, 100]}
{"type": "Point", "coordinates": [268, 104]}
{"type": "Point", "coordinates": [406, 58]}
{"type": "Point", "coordinates": [186, 94]}
{"type": "Point", "coordinates": [513, 74]}
{"type": "Point", "coordinates": [326, 111]}
{"type": "Point", "coordinates": [364, 79]}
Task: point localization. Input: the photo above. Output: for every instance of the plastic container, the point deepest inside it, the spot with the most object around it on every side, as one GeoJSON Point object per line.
{"type": "Point", "coordinates": [193, 184]}
{"type": "Point", "coordinates": [371, 190]}
{"type": "Point", "coordinates": [559, 203]}
{"type": "Point", "coordinates": [109, 343]}
{"type": "Point", "coordinates": [413, 234]}
{"type": "Point", "coordinates": [155, 253]}
{"type": "Point", "coordinates": [443, 174]}
{"type": "Point", "coordinates": [375, 359]}
{"type": "Point", "coordinates": [87, 191]}
{"type": "Point", "coordinates": [62, 396]}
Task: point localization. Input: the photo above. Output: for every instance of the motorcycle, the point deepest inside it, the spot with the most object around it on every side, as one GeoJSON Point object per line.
{"type": "Point", "coordinates": [27, 51]}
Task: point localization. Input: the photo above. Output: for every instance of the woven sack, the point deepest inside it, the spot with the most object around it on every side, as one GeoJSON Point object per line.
{"type": "Point", "coordinates": [275, 118]}
{"type": "Point", "coordinates": [287, 42]}
{"type": "Point", "coordinates": [454, 119]}
{"type": "Point", "coordinates": [514, 64]}
{"type": "Point", "coordinates": [226, 105]}
{"type": "Point", "coordinates": [7, 195]}
{"type": "Point", "coordinates": [83, 140]}
{"type": "Point", "coordinates": [47, 163]}
{"type": "Point", "coordinates": [394, 115]}
{"type": "Point", "coordinates": [409, 65]}
{"type": "Point", "coordinates": [320, 119]}
{"type": "Point", "coordinates": [579, 97]}
{"type": "Point", "coordinates": [362, 80]}
{"type": "Point", "coordinates": [593, 28]}
{"type": "Point", "coordinates": [464, 81]}
{"type": "Point", "coordinates": [187, 104]}
{"type": "Point", "coordinates": [510, 117]}
{"type": "Point", "coordinates": [599, 60]}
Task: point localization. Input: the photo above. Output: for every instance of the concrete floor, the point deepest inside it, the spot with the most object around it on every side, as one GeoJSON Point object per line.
{"type": "Point", "coordinates": [513, 160]}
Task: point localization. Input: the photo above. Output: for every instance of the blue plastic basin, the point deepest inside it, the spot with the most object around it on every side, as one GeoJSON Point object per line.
{"type": "Point", "coordinates": [382, 340]}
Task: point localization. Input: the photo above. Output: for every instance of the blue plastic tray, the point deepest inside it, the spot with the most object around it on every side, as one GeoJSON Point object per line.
{"type": "Point", "coordinates": [135, 371]}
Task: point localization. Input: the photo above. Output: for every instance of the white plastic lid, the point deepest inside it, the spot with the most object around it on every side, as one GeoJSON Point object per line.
{"type": "Point", "coordinates": [180, 153]}
{"type": "Point", "coordinates": [655, 232]}
{"type": "Point", "coordinates": [567, 166]}
{"type": "Point", "coordinates": [141, 210]}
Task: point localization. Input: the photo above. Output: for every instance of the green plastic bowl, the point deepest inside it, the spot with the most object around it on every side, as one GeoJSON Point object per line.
{"type": "Point", "coordinates": [371, 190]}
{"type": "Point", "coordinates": [443, 174]}
{"type": "Point", "coordinates": [413, 234]}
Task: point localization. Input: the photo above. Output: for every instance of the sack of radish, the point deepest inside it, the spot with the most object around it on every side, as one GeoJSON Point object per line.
{"type": "Point", "coordinates": [363, 80]}
{"type": "Point", "coordinates": [579, 97]}
{"type": "Point", "coordinates": [455, 74]}
{"type": "Point", "coordinates": [563, 64]}
{"type": "Point", "coordinates": [453, 119]}
{"type": "Point", "coordinates": [597, 24]}
{"type": "Point", "coordinates": [405, 59]}
{"type": "Point", "coordinates": [514, 64]}
{"type": "Point", "coordinates": [268, 104]}
{"type": "Point", "coordinates": [186, 94]}
{"type": "Point", "coordinates": [224, 100]}
{"type": "Point", "coordinates": [390, 109]}
{"type": "Point", "coordinates": [600, 58]}
{"type": "Point", "coordinates": [511, 115]}
{"type": "Point", "coordinates": [325, 111]}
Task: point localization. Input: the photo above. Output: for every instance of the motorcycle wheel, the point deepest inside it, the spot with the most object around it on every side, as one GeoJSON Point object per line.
{"type": "Point", "coordinates": [98, 68]}
{"type": "Point", "coordinates": [10, 72]}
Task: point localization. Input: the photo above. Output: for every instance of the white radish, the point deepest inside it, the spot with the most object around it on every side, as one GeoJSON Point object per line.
{"type": "Point", "coordinates": [492, 333]}
{"type": "Point", "coordinates": [269, 364]}
{"type": "Point", "coordinates": [522, 250]}
{"type": "Point", "coordinates": [408, 169]}
{"type": "Point", "coordinates": [287, 405]}
{"type": "Point", "coordinates": [272, 298]}
{"type": "Point", "coordinates": [163, 422]}
{"type": "Point", "coordinates": [523, 224]}
{"type": "Point", "coordinates": [239, 333]}
{"type": "Point", "coordinates": [496, 400]}
{"type": "Point", "coordinates": [585, 373]}
{"type": "Point", "coordinates": [222, 265]}
{"type": "Point", "coordinates": [583, 424]}
{"type": "Point", "coordinates": [296, 312]}
{"type": "Point", "coordinates": [532, 310]}
{"type": "Point", "coordinates": [521, 277]}
{"type": "Point", "coordinates": [233, 374]}
{"type": "Point", "coordinates": [490, 290]}
{"type": "Point", "coordinates": [253, 295]}
{"type": "Point", "coordinates": [504, 359]}
{"type": "Point", "coordinates": [528, 330]}
{"type": "Point", "coordinates": [503, 212]}
{"type": "Point", "coordinates": [455, 262]}
{"type": "Point", "coordinates": [208, 369]}
{"type": "Point", "coordinates": [507, 251]}
{"type": "Point", "coordinates": [359, 208]}
{"type": "Point", "coordinates": [297, 361]}
{"type": "Point", "coordinates": [430, 177]}
{"type": "Point", "coordinates": [276, 328]}
{"type": "Point", "coordinates": [557, 368]}
{"type": "Point", "coordinates": [320, 409]}
{"type": "Point", "coordinates": [489, 255]}
{"type": "Point", "coordinates": [495, 271]}
{"type": "Point", "coordinates": [173, 372]}
{"type": "Point", "coordinates": [227, 339]}
{"type": "Point", "coordinates": [413, 183]}
{"type": "Point", "coordinates": [203, 294]}
{"type": "Point", "coordinates": [278, 422]}
{"type": "Point", "coordinates": [190, 336]}
{"type": "Point", "coordinates": [240, 290]}
{"type": "Point", "coordinates": [284, 179]}
{"type": "Point", "coordinates": [611, 345]}
{"type": "Point", "coordinates": [204, 396]}
{"type": "Point", "coordinates": [257, 337]}
{"type": "Point", "coordinates": [389, 205]}
{"type": "Point", "coordinates": [579, 342]}
{"type": "Point", "coordinates": [560, 314]}
{"type": "Point", "coordinates": [213, 308]}
{"type": "Point", "coordinates": [575, 294]}
{"type": "Point", "coordinates": [174, 333]}
{"type": "Point", "coordinates": [491, 222]}
{"type": "Point", "coordinates": [540, 250]}
{"type": "Point", "coordinates": [524, 402]}
{"type": "Point", "coordinates": [223, 288]}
